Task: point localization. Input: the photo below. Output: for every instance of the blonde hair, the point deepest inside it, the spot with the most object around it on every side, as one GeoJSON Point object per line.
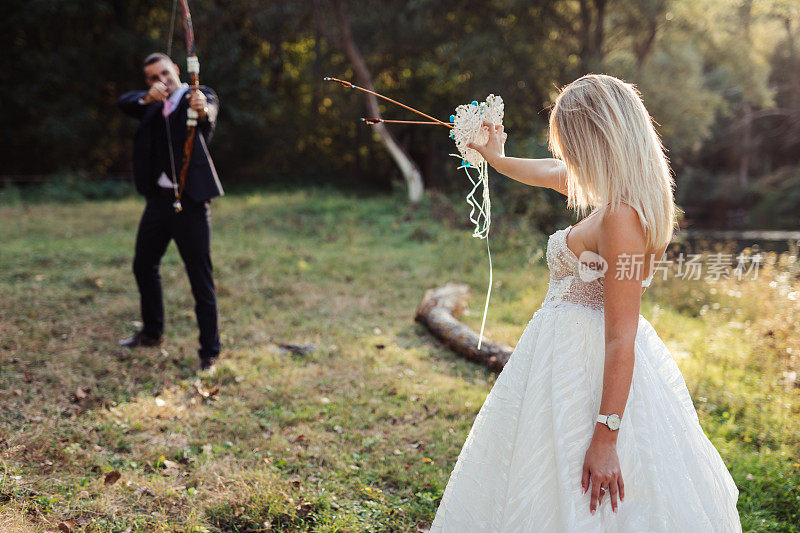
{"type": "Point", "coordinates": [601, 130]}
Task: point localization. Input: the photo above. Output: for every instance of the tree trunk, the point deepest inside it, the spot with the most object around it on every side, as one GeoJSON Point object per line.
{"type": "Point", "coordinates": [747, 142]}
{"type": "Point", "coordinates": [644, 46]}
{"type": "Point", "coordinates": [408, 168]}
{"type": "Point", "coordinates": [747, 135]}
{"type": "Point", "coordinates": [591, 33]}
{"type": "Point", "coordinates": [792, 137]}
{"type": "Point", "coordinates": [794, 73]}
{"type": "Point", "coordinates": [439, 311]}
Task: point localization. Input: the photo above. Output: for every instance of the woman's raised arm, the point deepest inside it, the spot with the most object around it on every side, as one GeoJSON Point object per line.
{"type": "Point", "coordinates": [549, 173]}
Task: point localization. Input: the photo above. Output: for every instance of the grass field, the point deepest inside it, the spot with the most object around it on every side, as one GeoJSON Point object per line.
{"type": "Point", "coordinates": [360, 434]}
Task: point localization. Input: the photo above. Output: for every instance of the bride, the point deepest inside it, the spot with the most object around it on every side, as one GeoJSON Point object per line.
{"type": "Point", "coordinates": [590, 426]}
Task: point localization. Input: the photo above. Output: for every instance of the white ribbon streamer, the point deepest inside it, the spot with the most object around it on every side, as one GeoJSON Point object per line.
{"type": "Point", "coordinates": [468, 128]}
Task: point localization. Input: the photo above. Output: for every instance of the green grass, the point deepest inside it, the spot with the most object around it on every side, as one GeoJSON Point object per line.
{"type": "Point", "coordinates": [361, 434]}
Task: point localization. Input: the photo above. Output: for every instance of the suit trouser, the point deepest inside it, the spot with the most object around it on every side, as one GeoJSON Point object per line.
{"type": "Point", "coordinates": [191, 230]}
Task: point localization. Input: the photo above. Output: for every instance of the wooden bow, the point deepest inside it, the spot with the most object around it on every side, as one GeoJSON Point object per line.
{"type": "Point", "coordinates": [193, 70]}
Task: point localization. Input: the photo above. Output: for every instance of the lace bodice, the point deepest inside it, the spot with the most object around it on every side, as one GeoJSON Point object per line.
{"type": "Point", "coordinates": [566, 283]}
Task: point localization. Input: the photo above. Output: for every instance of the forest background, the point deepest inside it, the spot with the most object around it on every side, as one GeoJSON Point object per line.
{"type": "Point", "coordinates": [720, 77]}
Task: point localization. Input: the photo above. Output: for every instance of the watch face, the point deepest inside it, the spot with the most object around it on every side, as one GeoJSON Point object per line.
{"type": "Point", "coordinates": [613, 421]}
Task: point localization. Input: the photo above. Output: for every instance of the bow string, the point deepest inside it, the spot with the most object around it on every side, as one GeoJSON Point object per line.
{"type": "Point", "coordinates": [193, 70]}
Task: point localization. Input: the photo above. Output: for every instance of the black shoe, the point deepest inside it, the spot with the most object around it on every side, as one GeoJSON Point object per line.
{"type": "Point", "coordinates": [140, 339]}
{"type": "Point", "coordinates": [207, 363]}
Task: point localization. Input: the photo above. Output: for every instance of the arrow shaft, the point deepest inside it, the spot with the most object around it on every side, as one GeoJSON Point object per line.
{"type": "Point", "coordinates": [372, 121]}
{"type": "Point", "coordinates": [395, 102]}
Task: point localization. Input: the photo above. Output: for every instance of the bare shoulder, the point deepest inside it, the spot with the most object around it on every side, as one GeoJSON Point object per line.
{"type": "Point", "coordinates": [621, 228]}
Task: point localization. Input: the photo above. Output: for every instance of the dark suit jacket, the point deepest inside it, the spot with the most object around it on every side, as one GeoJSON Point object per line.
{"type": "Point", "coordinates": [202, 181]}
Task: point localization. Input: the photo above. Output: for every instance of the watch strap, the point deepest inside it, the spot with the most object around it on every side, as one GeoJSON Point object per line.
{"type": "Point", "coordinates": [612, 420]}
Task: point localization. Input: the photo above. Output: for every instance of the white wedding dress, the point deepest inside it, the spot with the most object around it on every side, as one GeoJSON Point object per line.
{"type": "Point", "coordinates": [520, 467]}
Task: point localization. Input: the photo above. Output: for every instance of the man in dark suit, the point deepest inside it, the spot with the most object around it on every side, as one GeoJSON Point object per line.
{"type": "Point", "coordinates": [157, 160]}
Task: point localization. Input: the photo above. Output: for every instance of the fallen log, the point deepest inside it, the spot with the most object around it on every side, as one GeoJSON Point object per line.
{"type": "Point", "coordinates": [439, 312]}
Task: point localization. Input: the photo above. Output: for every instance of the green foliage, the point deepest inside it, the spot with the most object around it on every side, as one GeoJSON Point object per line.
{"type": "Point", "coordinates": [778, 195]}
{"type": "Point", "coordinates": [712, 72]}
{"type": "Point", "coordinates": [66, 187]}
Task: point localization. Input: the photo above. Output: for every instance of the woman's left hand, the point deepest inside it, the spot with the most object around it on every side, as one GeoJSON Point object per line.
{"type": "Point", "coordinates": [495, 146]}
{"type": "Point", "coordinates": [601, 470]}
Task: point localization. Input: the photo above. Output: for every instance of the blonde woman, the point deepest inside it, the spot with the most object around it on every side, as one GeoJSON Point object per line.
{"type": "Point", "coordinates": [590, 426]}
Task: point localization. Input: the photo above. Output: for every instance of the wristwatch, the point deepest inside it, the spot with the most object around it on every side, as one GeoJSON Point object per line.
{"type": "Point", "coordinates": [612, 421]}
